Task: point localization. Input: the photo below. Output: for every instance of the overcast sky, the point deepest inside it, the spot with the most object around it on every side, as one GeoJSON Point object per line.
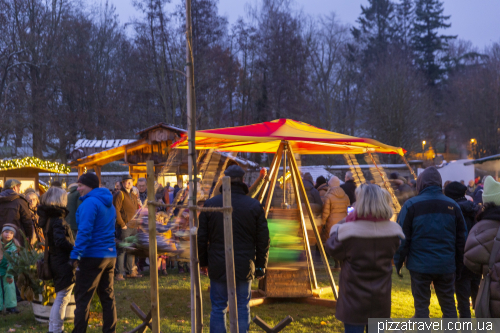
{"type": "Point", "coordinates": [474, 20]}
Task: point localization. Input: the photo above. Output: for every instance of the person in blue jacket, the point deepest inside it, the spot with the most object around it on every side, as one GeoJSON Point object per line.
{"type": "Point", "coordinates": [94, 253]}
{"type": "Point", "coordinates": [433, 248]}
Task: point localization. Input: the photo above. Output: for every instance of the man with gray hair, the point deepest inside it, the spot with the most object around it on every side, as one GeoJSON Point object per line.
{"type": "Point", "coordinates": [349, 187]}
{"type": "Point", "coordinates": [142, 186]}
{"type": "Point", "coordinates": [14, 209]}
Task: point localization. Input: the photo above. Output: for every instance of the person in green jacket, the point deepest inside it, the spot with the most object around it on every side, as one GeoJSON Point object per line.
{"type": "Point", "coordinates": [10, 245]}
{"type": "Point", "coordinates": [73, 204]}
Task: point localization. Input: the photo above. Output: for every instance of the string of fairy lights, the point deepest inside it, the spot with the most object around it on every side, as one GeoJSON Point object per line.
{"type": "Point", "coordinates": [34, 162]}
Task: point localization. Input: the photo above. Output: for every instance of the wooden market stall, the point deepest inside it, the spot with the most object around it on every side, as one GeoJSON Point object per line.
{"type": "Point", "coordinates": [26, 170]}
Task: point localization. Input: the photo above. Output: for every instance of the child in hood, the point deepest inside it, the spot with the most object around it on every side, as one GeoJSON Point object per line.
{"type": "Point", "coordinates": [10, 245]}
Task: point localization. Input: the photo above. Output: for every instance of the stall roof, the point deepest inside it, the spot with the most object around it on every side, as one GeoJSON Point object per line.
{"type": "Point", "coordinates": [484, 159]}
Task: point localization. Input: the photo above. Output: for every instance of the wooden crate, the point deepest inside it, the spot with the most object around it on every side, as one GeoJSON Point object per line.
{"type": "Point", "coordinates": [287, 282]}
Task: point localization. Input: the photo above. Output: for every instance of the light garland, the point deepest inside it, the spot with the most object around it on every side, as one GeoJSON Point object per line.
{"type": "Point", "coordinates": [34, 162]}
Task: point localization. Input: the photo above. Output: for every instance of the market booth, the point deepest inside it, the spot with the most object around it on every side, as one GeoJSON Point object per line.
{"type": "Point", "coordinates": [284, 138]}
{"type": "Point", "coordinates": [26, 170]}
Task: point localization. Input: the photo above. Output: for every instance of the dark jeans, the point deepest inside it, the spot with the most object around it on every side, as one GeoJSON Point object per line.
{"type": "Point", "coordinates": [443, 285]}
{"type": "Point", "coordinates": [218, 298]}
{"type": "Point", "coordinates": [95, 274]}
{"type": "Point", "coordinates": [348, 328]}
{"type": "Point", "coordinates": [466, 287]}
{"type": "Point", "coordinates": [121, 255]}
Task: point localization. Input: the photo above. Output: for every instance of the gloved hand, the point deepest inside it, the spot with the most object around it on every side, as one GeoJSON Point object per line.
{"type": "Point", "coordinates": [398, 270]}
{"type": "Point", "coordinates": [74, 263]}
{"type": "Point", "coordinates": [260, 273]}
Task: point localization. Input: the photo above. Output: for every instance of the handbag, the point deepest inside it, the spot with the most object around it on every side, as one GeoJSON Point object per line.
{"type": "Point", "coordinates": [483, 296]}
{"type": "Point", "coordinates": [42, 266]}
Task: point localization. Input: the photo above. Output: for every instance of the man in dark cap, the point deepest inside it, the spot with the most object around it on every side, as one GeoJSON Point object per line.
{"type": "Point", "coordinates": [126, 205]}
{"type": "Point", "coordinates": [94, 253]}
{"type": "Point", "coordinates": [251, 247]}
{"type": "Point", "coordinates": [14, 209]}
{"type": "Point", "coordinates": [433, 247]}
{"type": "Point", "coordinates": [467, 283]}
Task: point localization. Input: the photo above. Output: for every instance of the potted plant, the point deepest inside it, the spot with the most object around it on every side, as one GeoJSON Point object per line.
{"type": "Point", "coordinates": [39, 293]}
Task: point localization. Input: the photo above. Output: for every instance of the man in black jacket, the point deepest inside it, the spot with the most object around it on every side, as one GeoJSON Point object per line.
{"type": "Point", "coordinates": [349, 187]}
{"type": "Point", "coordinates": [251, 247]}
{"type": "Point", "coordinates": [466, 283]}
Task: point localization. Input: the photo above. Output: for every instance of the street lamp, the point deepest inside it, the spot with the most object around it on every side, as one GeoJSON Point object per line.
{"type": "Point", "coordinates": [472, 141]}
{"type": "Point", "coordinates": [423, 145]}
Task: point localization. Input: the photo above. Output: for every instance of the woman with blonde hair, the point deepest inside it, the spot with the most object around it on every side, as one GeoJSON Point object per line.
{"type": "Point", "coordinates": [365, 242]}
{"type": "Point", "coordinates": [60, 242]}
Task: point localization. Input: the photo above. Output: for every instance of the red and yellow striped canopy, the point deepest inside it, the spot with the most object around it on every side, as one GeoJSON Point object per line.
{"type": "Point", "coordinates": [266, 137]}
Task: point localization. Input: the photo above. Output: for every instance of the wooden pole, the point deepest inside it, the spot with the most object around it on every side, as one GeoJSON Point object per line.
{"type": "Point", "coordinates": [307, 246]}
{"type": "Point", "coordinates": [228, 245]}
{"type": "Point", "coordinates": [196, 301]}
{"type": "Point", "coordinates": [302, 191]}
{"type": "Point", "coordinates": [271, 172]}
{"type": "Point", "coordinates": [273, 178]}
{"type": "Point", "coordinates": [153, 269]}
{"type": "Point", "coordinates": [284, 180]}
{"type": "Point", "coordinates": [409, 167]}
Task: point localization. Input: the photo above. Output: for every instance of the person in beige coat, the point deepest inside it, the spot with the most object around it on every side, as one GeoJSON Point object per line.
{"type": "Point", "coordinates": [335, 206]}
{"type": "Point", "coordinates": [480, 242]}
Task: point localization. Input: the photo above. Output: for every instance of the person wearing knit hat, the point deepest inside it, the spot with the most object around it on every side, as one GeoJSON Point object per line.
{"type": "Point", "coordinates": [491, 191]}
{"type": "Point", "coordinates": [94, 253]}
{"type": "Point", "coordinates": [8, 298]}
{"type": "Point", "coordinates": [334, 208]}
{"type": "Point", "coordinates": [467, 283]}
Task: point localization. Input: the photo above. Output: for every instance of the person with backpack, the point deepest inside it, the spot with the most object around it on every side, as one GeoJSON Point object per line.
{"type": "Point", "coordinates": [482, 251]}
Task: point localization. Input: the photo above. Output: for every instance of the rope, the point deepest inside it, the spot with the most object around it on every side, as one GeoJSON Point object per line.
{"type": "Point", "coordinates": [409, 167]}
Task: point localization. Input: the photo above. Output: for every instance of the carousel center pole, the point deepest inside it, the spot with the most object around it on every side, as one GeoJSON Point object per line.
{"type": "Point", "coordinates": [272, 169]}
{"type": "Point", "coordinates": [196, 302]}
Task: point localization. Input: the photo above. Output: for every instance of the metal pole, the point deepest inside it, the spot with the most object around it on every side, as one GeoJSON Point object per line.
{"type": "Point", "coordinates": [284, 180]}
{"type": "Point", "coordinates": [228, 245]}
{"type": "Point", "coordinates": [153, 255]}
{"type": "Point", "coordinates": [196, 304]}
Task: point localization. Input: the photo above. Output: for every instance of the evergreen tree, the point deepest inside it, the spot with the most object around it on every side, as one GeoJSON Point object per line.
{"type": "Point", "coordinates": [427, 42]}
{"type": "Point", "coordinates": [405, 16]}
{"type": "Point", "coordinates": [376, 28]}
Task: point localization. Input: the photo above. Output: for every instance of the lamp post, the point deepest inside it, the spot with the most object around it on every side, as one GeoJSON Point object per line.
{"type": "Point", "coordinates": [423, 146]}
{"type": "Point", "coordinates": [472, 144]}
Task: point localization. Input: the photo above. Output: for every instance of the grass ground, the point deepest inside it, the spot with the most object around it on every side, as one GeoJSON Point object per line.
{"type": "Point", "coordinates": [175, 308]}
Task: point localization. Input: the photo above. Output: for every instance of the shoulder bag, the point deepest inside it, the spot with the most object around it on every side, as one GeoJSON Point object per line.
{"type": "Point", "coordinates": [42, 265]}
{"type": "Point", "coordinates": [483, 296]}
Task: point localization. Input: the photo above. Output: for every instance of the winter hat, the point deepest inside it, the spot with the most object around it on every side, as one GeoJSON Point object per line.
{"type": "Point", "coordinates": [126, 177]}
{"type": "Point", "coordinates": [89, 179]}
{"type": "Point", "coordinates": [234, 171]}
{"type": "Point", "coordinates": [491, 192]}
{"type": "Point", "coordinates": [9, 227]}
{"type": "Point", "coordinates": [455, 190]}
{"type": "Point", "coordinates": [334, 182]}
{"type": "Point", "coordinates": [11, 183]}
{"type": "Point", "coordinates": [320, 181]}
{"type": "Point", "coordinates": [394, 175]}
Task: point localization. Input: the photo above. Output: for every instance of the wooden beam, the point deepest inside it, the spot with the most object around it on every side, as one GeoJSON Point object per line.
{"type": "Point", "coordinates": [97, 170]}
{"type": "Point", "coordinates": [274, 177]}
{"type": "Point", "coordinates": [228, 245]}
{"type": "Point", "coordinates": [270, 173]}
{"type": "Point", "coordinates": [302, 191]}
{"type": "Point", "coordinates": [312, 272]}
{"type": "Point", "coordinates": [153, 269]}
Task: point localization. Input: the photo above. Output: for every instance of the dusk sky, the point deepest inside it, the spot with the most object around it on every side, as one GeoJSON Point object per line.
{"type": "Point", "coordinates": [474, 20]}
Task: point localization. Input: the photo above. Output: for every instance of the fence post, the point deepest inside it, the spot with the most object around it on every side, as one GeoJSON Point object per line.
{"type": "Point", "coordinates": [153, 269]}
{"type": "Point", "coordinates": [228, 244]}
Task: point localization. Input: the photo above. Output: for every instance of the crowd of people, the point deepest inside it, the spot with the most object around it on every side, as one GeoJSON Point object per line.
{"type": "Point", "coordinates": [444, 236]}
